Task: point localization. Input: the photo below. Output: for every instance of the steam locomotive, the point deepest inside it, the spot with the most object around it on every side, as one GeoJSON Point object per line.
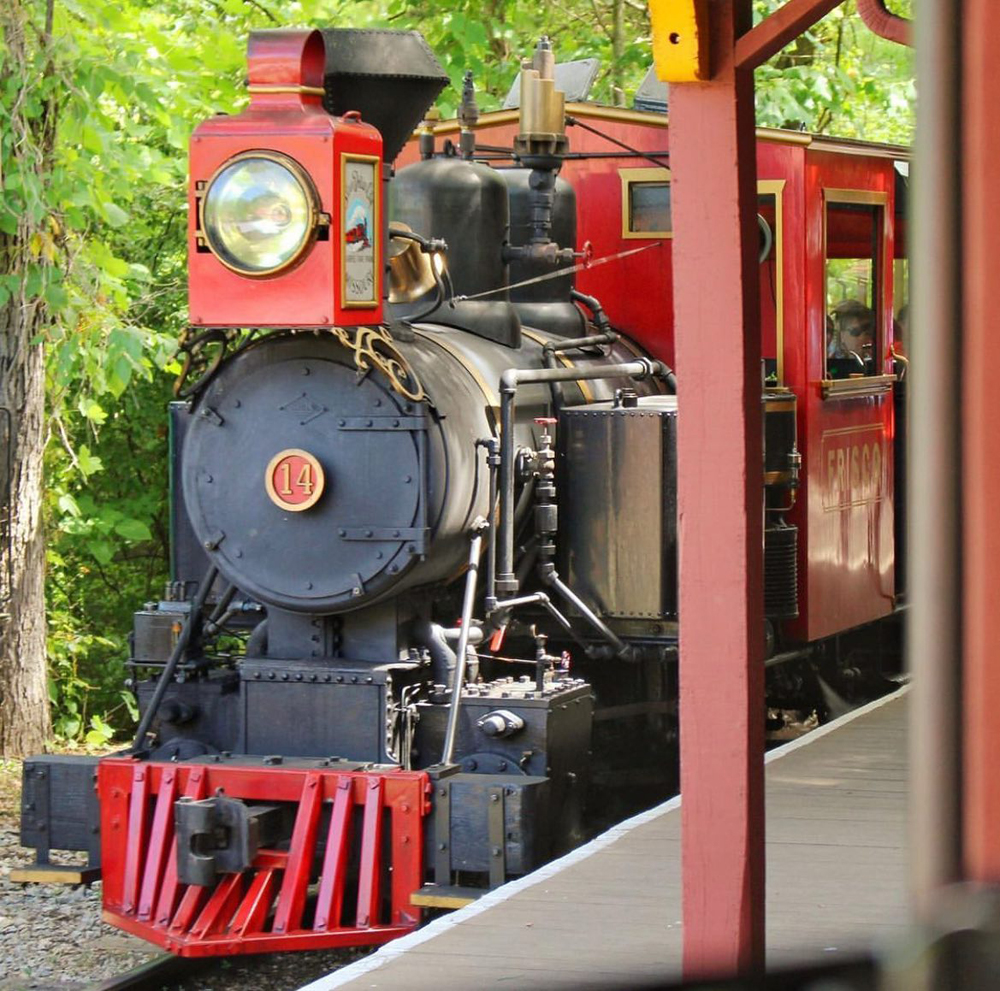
{"type": "Point", "coordinates": [423, 508]}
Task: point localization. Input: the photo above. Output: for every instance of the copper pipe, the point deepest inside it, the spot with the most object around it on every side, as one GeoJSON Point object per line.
{"type": "Point", "coordinates": [884, 23]}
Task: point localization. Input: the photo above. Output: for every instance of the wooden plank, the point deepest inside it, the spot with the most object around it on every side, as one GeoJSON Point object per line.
{"type": "Point", "coordinates": [779, 29]}
{"type": "Point", "coordinates": [54, 874]}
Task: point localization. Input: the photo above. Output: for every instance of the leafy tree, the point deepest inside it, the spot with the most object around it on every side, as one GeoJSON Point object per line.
{"type": "Point", "coordinates": [92, 170]}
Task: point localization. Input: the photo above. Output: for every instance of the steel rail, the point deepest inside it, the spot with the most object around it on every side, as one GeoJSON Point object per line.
{"type": "Point", "coordinates": [151, 975]}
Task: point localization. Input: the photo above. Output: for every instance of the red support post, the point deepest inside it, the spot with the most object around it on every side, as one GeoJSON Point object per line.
{"type": "Point", "coordinates": [720, 479]}
{"type": "Point", "coordinates": [980, 350]}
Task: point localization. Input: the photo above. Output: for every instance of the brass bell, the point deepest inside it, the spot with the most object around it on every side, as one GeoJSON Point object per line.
{"type": "Point", "coordinates": [411, 276]}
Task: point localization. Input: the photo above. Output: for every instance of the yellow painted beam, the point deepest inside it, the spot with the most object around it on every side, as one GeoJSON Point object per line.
{"type": "Point", "coordinates": [680, 40]}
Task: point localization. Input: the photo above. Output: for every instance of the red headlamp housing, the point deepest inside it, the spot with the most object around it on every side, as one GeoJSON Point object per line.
{"type": "Point", "coordinates": [285, 202]}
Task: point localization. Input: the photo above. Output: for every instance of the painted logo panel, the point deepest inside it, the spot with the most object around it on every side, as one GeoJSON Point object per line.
{"type": "Point", "coordinates": [359, 220]}
{"type": "Point", "coordinates": [854, 467]}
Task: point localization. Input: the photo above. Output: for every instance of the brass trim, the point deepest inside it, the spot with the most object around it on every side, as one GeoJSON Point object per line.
{"type": "Point", "coordinates": [308, 187]}
{"type": "Point", "coordinates": [582, 385]}
{"type": "Point", "coordinates": [855, 146]}
{"type": "Point", "coordinates": [361, 304]}
{"type": "Point", "coordinates": [853, 388]}
{"type": "Point", "coordinates": [863, 428]}
{"type": "Point", "coordinates": [623, 114]}
{"type": "Point", "coordinates": [319, 483]}
{"type": "Point", "coordinates": [874, 197]}
{"type": "Point", "coordinates": [374, 347]}
{"type": "Point", "coordinates": [634, 177]}
{"type": "Point", "coordinates": [594, 111]}
{"type": "Point", "coordinates": [776, 188]}
{"type": "Point", "coordinates": [783, 405]}
{"type": "Point", "coordinates": [653, 118]}
{"type": "Point", "coordinates": [778, 136]}
{"type": "Point", "coordinates": [285, 88]}
{"type": "Point", "coordinates": [774, 477]}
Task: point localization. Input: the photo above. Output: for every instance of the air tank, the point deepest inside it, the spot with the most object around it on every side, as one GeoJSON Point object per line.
{"type": "Point", "coordinates": [466, 204]}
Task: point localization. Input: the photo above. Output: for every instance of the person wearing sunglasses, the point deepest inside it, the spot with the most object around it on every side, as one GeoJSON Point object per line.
{"type": "Point", "coordinates": [855, 325]}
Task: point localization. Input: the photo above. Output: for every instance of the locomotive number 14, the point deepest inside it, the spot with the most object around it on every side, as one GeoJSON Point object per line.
{"type": "Point", "coordinates": [294, 480]}
{"type": "Point", "coordinates": [304, 482]}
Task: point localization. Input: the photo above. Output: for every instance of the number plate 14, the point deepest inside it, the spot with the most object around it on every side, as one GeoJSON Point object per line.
{"type": "Point", "coordinates": [294, 480]}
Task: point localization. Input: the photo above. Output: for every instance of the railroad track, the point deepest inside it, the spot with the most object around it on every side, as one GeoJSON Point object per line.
{"type": "Point", "coordinates": [151, 975]}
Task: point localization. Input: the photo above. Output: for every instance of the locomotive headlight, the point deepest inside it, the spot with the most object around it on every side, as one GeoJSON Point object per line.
{"type": "Point", "coordinates": [259, 213]}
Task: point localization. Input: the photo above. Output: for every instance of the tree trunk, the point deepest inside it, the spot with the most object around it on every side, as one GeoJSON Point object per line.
{"type": "Point", "coordinates": [24, 711]}
{"type": "Point", "coordinates": [618, 51]}
{"type": "Point", "coordinates": [24, 708]}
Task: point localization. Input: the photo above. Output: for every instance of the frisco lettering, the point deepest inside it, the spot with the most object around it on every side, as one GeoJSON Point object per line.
{"type": "Point", "coordinates": [854, 471]}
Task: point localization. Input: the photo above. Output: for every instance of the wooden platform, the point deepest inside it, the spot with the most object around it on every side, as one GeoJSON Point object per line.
{"type": "Point", "coordinates": [608, 914]}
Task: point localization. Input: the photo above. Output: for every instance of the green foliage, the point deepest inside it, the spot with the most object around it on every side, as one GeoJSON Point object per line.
{"type": "Point", "coordinates": [115, 87]}
{"type": "Point", "coordinates": [840, 79]}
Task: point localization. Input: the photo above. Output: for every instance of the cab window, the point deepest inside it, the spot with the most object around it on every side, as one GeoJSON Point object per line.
{"type": "Point", "coordinates": [854, 293]}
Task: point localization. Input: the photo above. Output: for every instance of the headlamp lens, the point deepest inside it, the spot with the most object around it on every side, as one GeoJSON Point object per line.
{"type": "Point", "coordinates": [258, 215]}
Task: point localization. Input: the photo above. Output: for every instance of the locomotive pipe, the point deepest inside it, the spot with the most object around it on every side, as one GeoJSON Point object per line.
{"type": "Point", "coordinates": [443, 662]}
{"type": "Point", "coordinates": [553, 579]}
{"type": "Point", "coordinates": [506, 581]}
{"type": "Point", "coordinates": [475, 547]}
{"type": "Point", "coordinates": [221, 613]}
{"type": "Point", "coordinates": [541, 599]}
{"type": "Point", "coordinates": [492, 462]}
{"type": "Point", "coordinates": [549, 358]}
{"type": "Point", "coordinates": [596, 310]}
{"type": "Point", "coordinates": [609, 337]}
{"type": "Point", "coordinates": [167, 676]}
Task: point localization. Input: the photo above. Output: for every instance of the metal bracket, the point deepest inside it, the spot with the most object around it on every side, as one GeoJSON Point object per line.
{"type": "Point", "coordinates": [496, 828]}
{"type": "Point", "coordinates": [442, 833]}
{"type": "Point", "coordinates": [415, 533]}
{"type": "Point", "coordinates": [41, 812]}
{"type": "Point", "coordinates": [383, 423]}
{"type": "Point", "coordinates": [680, 39]}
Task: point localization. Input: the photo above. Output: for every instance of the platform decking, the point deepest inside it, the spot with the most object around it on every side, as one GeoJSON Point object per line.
{"type": "Point", "coordinates": [608, 914]}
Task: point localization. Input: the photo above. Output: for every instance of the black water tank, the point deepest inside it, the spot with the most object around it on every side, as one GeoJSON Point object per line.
{"type": "Point", "coordinates": [466, 204]}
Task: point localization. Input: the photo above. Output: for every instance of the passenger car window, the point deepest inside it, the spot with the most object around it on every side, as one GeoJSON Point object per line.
{"type": "Point", "coordinates": [646, 206]}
